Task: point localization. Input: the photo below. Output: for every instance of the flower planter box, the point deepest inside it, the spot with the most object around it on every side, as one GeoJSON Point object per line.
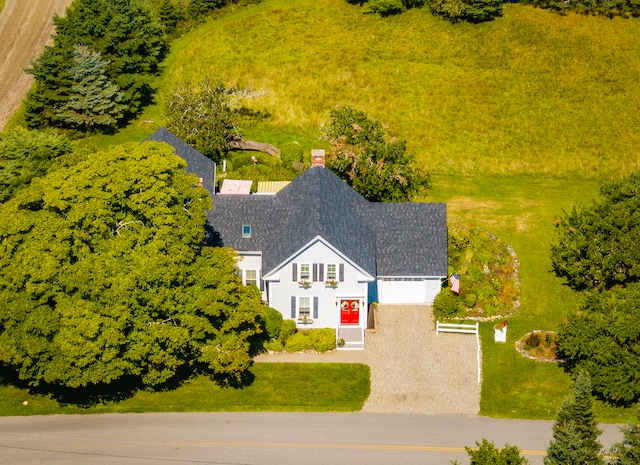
{"type": "Point", "coordinates": [305, 321]}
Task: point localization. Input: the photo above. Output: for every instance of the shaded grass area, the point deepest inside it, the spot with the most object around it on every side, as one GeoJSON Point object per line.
{"type": "Point", "coordinates": [291, 387]}
{"type": "Point", "coordinates": [521, 212]}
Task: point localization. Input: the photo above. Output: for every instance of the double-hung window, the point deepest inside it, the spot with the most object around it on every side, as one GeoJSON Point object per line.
{"type": "Point", "coordinates": [304, 307]}
{"type": "Point", "coordinates": [305, 272]}
{"type": "Point", "coordinates": [331, 272]}
{"type": "Point", "coordinates": [251, 277]}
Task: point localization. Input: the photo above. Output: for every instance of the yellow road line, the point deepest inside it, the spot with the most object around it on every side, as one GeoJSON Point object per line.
{"type": "Point", "coordinates": [338, 446]}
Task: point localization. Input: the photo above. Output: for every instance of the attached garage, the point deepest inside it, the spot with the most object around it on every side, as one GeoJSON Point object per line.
{"type": "Point", "coordinates": [413, 290]}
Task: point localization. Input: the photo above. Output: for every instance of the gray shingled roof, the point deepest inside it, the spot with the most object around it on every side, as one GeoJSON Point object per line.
{"type": "Point", "coordinates": [384, 239]}
{"type": "Point", "coordinates": [197, 163]}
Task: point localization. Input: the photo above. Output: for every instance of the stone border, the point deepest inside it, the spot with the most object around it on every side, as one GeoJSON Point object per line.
{"type": "Point", "coordinates": [531, 357]}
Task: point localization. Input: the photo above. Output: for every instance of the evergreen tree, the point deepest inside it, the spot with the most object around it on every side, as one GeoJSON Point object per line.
{"type": "Point", "coordinates": [627, 452]}
{"type": "Point", "coordinates": [94, 101]}
{"type": "Point", "coordinates": [575, 431]}
{"type": "Point", "coordinates": [123, 32]}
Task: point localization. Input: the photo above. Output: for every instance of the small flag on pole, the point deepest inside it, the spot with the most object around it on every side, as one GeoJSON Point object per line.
{"type": "Point", "coordinates": [454, 279]}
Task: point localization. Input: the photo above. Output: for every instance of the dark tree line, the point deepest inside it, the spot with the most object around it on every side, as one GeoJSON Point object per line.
{"type": "Point", "coordinates": [473, 11]}
{"type": "Point", "coordinates": [598, 253]}
{"type": "Point", "coordinates": [98, 72]}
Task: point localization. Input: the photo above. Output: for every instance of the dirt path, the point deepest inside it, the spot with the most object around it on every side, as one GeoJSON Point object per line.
{"type": "Point", "coordinates": [26, 27]}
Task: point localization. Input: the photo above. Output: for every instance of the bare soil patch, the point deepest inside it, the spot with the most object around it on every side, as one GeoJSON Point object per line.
{"type": "Point", "coordinates": [26, 27]}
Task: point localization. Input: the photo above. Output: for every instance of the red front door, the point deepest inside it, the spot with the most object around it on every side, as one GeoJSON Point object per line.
{"type": "Point", "coordinates": [349, 311]}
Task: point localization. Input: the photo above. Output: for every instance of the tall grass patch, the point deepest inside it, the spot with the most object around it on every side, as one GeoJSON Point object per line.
{"type": "Point", "coordinates": [532, 92]}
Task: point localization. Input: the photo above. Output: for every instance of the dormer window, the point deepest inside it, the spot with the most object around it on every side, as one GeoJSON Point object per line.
{"type": "Point", "coordinates": [246, 230]}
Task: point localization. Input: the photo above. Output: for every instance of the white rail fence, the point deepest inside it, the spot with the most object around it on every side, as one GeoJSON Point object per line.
{"type": "Point", "coordinates": [465, 329]}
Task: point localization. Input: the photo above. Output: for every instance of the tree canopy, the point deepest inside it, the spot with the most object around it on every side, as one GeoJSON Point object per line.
{"type": "Point", "coordinates": [104, 275]}
{"type": "Point", "coordinates": [25, 155]}
{"type": "Point", "coordinates": [453, 10]}
{"type": "Point", "coordinates": [598, 245]}
{"type": "Point", "coordinates": [362, 154]}
{"type": "Point", "coordinates": [126, 37]}
{"type": "Point", "coordinates": [603, 339]}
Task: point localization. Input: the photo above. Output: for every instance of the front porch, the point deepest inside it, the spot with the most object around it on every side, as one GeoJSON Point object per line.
{"type": "Point", "coordinates": [353, 337]}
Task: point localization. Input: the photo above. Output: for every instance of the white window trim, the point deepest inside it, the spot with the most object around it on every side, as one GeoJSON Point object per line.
{"type": "Point", "coordinates": [335, 272]}
{"type": "Point", "coordinates": [300, 276]}
{"type": "Point", "coordinates": [299, 307]}
{"type": "Point", "coordinates": [244, 277]}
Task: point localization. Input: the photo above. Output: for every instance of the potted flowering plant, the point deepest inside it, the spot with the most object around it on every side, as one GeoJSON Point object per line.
{"type": "Point", "coordinates": [331, 283]}
{"type": "Point", "coordinates": [304, 283]}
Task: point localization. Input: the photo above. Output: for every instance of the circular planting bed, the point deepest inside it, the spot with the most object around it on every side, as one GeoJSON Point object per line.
{"type": "Point", "coordinates": [540, 346]}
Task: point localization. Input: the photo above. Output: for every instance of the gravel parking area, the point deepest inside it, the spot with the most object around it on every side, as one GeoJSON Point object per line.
{"type": "Point", "coordinates": [415, 371]}
{"type": "Point", "coordinates": [412, 369]}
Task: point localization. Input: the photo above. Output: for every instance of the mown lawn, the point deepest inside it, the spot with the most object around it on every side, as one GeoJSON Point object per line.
{"type": "Point", "coordinates": [517, 119]}
{"type": "Point", "coordinates": [295, 387]}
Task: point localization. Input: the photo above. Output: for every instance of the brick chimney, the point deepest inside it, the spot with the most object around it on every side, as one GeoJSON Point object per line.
{"type": "Point", "coordinates": [317, 157]}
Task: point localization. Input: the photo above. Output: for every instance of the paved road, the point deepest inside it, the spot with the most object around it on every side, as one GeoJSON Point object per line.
{"type": "Point", "coordinates": [263, 438]}
{"type": "Point", "coordinates": [25, 27]}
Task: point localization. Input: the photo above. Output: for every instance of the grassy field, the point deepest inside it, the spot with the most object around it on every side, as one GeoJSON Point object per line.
{"type": "Point", "coordinates": [531, 93]}
{"type": "Point", "coordinates": [517, 119]}
{"type": "Point", "coordinates": [276, 387]}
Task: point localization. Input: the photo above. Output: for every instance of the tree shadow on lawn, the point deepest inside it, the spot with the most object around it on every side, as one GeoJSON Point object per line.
{"type": "Point", "coordinates": [118, 390]}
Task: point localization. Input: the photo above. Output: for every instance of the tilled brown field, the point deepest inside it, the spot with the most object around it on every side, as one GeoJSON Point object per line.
{"type": "Point", "coordinates": [26, 27]}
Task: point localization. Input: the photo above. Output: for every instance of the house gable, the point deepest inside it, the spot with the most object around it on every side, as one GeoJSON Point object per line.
{"type": "Point", "coordinates": [317, 250]}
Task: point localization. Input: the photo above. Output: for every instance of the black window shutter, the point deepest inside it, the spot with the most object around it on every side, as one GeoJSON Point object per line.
{"type": "Point", "coordinates": [341, 273]}
{"type": "Point", "coordinates": [321, 271]}
{"type": "Point", "coordinates": [293, 306]}
{"type": "Point", "coordinates": [294, 272]}
{"type": "Point", "coordinates": [315, 306]}
{"type": "Point", "coordinates": [315, 272]}
{"type": "Point", "coordinates": [260, 281]}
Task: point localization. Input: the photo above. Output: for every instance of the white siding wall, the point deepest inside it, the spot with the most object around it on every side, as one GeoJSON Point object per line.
{"type": "Point", "coordinates": [251, 261]}
{"type": "Point", "coordinates": [408, 292]}
{"type": "Point", "coordinates": [280, 292]}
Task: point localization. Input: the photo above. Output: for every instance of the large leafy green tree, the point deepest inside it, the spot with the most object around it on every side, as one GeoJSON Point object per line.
{"type": "Point", "coordinates": [125, 34]}
{"type": "Point", "coordinates": [486, 453]}
{"type": "Point", "coordinates": [103, 275]}
{"type": "Point", "coordinates": [205, 116]}
{"type": "Point", "coordinates": [377, 167]}
{"type": "Point", "coordinates": [603, 338]}
{"type": "Point", "coordinates": [25, 155]}
{"type": "Point", "coordinates": [575, 431]}
{"type": "Point", "coordinates": [598, 245]}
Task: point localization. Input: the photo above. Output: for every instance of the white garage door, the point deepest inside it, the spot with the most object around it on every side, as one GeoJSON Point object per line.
{"type": "Point", "coordinates": [398, 291]}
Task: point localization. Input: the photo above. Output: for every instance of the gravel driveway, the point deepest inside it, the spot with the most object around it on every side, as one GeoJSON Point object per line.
{"type": "Point", "coordinates": [412, 369]}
